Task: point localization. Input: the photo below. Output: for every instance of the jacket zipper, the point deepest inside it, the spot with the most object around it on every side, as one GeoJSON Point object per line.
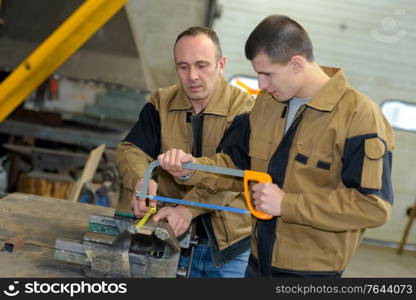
{"type": "Point", "coordinates": [262, 244]}
{"type": "Point", "coordinates": [256, 229]}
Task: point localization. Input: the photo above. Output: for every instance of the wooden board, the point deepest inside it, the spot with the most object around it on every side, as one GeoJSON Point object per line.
{"type": "Point", "coordinates": [88, 172]}
{"type": "Point", "coordinates": [36, 261]}
{"type": "Point", "coordinates": [44, 219]}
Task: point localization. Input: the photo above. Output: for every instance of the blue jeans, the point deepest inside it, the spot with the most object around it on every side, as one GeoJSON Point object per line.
{"type": "Point", "coordinates": [202, 266]}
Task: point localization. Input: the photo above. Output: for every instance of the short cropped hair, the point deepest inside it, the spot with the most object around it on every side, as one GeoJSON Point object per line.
{"type": "Point", "coordinates": [280, 38]}
{"type": "Point", "coordinates": [194, 31]}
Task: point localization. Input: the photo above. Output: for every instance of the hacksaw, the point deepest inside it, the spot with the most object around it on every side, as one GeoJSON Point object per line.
{"type": "Point", "coordinates": [247, 175]}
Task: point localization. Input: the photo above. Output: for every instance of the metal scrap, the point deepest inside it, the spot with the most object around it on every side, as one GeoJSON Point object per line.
{"type": "Point", "coordinates": [14, 243]}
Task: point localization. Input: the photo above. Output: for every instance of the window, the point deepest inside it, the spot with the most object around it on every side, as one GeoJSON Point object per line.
{"type": "Point", "coordinates": [248, 84]}
{"type": "Point", "coordinates": [401, 114]}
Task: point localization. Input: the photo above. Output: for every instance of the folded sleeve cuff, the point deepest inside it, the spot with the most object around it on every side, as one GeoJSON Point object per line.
{"type": "Point", "coordinates": [290, 210]}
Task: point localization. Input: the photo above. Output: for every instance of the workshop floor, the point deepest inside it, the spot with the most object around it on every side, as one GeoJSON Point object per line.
{"type": "Point", "coordinates": [378, 261]}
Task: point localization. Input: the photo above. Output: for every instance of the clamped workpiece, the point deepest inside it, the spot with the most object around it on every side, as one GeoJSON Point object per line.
{"type": "Point", "coordinates": [116, 247]}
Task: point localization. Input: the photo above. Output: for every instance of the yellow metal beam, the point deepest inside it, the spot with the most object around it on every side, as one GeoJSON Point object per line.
{"type": "Point", "coordinates": [53, 52]}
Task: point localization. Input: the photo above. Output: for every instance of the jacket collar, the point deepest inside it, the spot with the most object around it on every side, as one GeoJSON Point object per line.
{"type": "Point", "coordinates": [217, 105]}
{"type": "Point", "coordinates": [331, 93]}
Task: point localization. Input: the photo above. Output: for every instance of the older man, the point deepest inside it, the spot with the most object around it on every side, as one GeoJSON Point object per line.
{"type": "Point", "coordinates": [192, 116]}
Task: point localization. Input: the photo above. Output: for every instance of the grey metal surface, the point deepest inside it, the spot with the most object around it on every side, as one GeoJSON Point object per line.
{"type": "Point", "coordinates": [165, 233]}
{"type": "Point", "coordinates": [102, 220]}
{"type": "Point", "coordinates": [111, 260]}
{"type": "Point", "coordinates": [69, 135]}
{"type": "Point", "coordinates": [48, 159]}
{"type": "Point", "coordinates": [214, 169]}
{"type": "Point", "coordinates": [100, 238]}
{"type": "Point", "coordinates": [69, 245]}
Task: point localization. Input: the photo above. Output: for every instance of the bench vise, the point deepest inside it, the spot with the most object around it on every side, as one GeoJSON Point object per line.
{"type": "Point", "coordinates": [115, 247]}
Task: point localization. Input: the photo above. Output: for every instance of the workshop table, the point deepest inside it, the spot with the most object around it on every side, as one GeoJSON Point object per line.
{"type": "Point", "coordinates": [42, 220]}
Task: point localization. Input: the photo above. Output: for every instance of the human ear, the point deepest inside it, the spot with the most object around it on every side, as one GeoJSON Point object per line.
{"type": "Point", "coordinates": [221, 63]}
{"type": "Point", "coordinates": [298, 63]}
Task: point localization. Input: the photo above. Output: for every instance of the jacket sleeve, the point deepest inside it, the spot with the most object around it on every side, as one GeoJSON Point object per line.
{"type": "Point", "coordinates": [131, 164]}
{"type": "Point", "coordinates": [140, 147]}
{"type": "Point", "coordinates": [364, 196]}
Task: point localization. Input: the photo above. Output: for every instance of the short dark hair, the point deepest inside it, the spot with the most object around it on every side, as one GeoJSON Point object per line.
{"type": "Point", "coordinates": [280, 38]}
{"type": "Point", "coordinates": [194, 31]}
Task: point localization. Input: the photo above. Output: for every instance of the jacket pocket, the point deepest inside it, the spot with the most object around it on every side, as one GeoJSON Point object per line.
{"type": "Point", "coordinates": [260, 152]}
{"type": "Point", "coordinates": [169, 143]}
{"type": "Point", "coordinates": [259, 149]}
{"type": "Point", "coordinates": [309, 168]}
{"type": "Point", "coordinates": [371, 176]}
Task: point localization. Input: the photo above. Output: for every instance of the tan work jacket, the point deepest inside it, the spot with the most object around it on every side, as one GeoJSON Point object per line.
{"type": "Point", "coordinates": [334, 165]}
{"type": "Point", "coordinates": [168, 112]}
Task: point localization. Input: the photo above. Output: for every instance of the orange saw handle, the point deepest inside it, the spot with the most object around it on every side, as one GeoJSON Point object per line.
{"type": "Point", "coordinates": [261, 178]}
